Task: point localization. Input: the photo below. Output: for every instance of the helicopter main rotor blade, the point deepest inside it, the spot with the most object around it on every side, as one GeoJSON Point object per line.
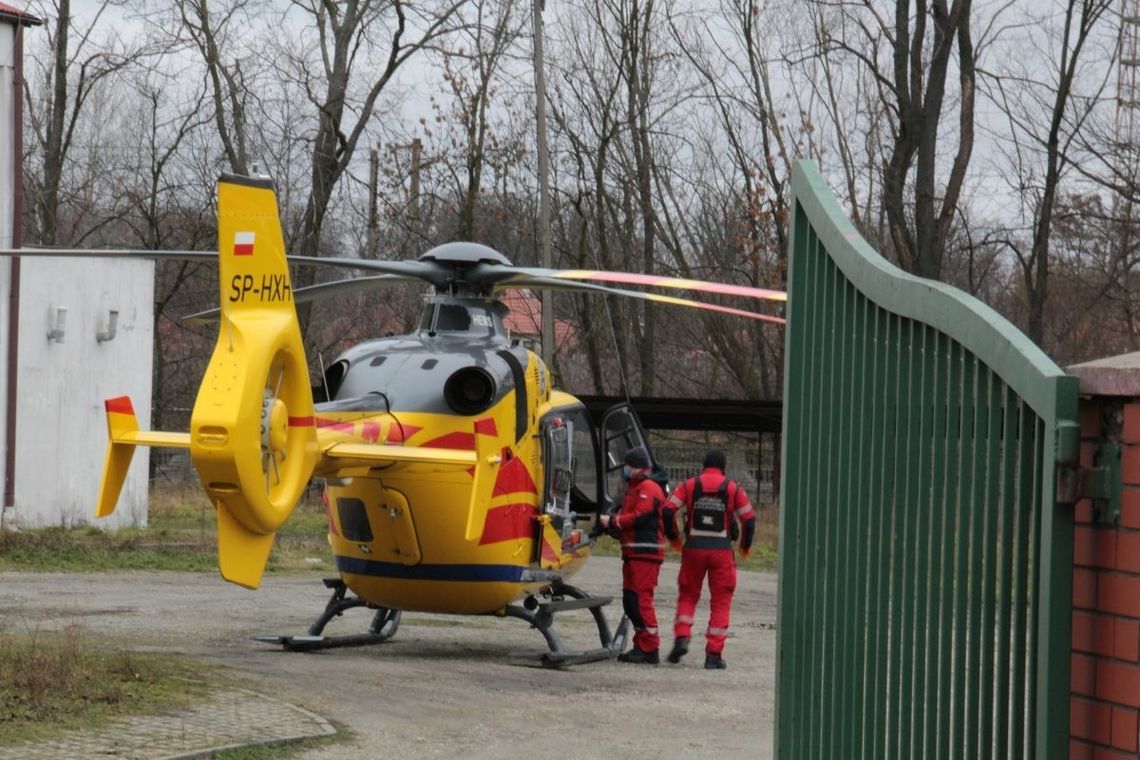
{"type": "Point", "coordinates": [495, 273]}
{"type": "Point", "coordinates": [315, 293]}
{"type": "Point", "coordinates": [113, 253]}
{"type": "Point", "coordinates": [548, 282]}
{"type": "Point", "coordinates": [429, 271]}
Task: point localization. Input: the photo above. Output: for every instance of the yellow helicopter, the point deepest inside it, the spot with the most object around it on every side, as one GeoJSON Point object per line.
{"type": "Point", "coordinates": [458, 479]}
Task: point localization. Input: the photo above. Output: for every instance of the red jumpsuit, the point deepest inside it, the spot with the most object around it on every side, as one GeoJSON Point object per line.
{"type": "Point", "coordinates": [641, 526]}
{"type": "Point", "coordinates": [710, 501]}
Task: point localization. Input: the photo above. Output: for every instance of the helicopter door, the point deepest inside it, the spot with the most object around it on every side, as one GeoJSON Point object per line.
{"type": "Point", "coordinates": [559, 457]}
{"type": "Point", "coordinates": [621, 431]}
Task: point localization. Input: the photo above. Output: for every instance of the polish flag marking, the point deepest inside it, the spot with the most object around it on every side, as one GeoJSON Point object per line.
{"type": "Point", "coordinates": [243, 243]}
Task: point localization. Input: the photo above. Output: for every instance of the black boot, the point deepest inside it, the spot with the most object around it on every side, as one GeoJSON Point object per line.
{"type": "Point", "coordinates": [680, 649]}
{"type": "Point", "coordinates": [639, 657]}
{"type": "Point", "coordinates": [715, 662]}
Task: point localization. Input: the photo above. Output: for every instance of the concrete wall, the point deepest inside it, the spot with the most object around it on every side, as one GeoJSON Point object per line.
{"type": "Point", "coordinates": [61, 431]}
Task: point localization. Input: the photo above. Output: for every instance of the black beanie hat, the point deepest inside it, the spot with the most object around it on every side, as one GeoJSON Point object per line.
{"type": "Point", "coordinates": [715, 458]}
{"type": "Point", "coordinates": [638, 458]}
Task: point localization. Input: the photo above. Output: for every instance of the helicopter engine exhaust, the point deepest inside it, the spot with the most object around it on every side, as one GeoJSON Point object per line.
{"type": "Point", "coordinates": [469, 390]}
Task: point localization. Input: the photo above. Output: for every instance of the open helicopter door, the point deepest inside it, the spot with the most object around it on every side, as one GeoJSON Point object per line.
{"type": "Point", "coordinates": [621, 431]}
{"type": "Point", "coordinates": [572, 484]}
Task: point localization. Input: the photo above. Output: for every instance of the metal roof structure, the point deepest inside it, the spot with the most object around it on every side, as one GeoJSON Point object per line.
{"type": "Point", "coordinates": [15, 15]}
{"type": "Point", "coordinates": [726, 415]}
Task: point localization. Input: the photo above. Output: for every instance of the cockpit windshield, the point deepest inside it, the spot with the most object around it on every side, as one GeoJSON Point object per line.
{"type": "Point", "coordinates": [475, 319]}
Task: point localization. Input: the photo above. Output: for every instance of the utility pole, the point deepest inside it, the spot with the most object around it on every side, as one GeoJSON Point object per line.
{"type": "Point", "coordinates": [543, 186]}
{"type": "Point", "coordinates": [416, 146]}
{"type": "Point", "coordinates": [373, 217]}
{"type": "Point", "coordinates": [1127, 139]}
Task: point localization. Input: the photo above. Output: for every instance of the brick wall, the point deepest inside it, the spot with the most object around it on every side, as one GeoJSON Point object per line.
{"type": "Point", "coordinates": [1105, 703]}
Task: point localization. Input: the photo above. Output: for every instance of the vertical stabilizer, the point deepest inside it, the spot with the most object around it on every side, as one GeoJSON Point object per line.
{"type": "Point", "coordinates": [121, 421]}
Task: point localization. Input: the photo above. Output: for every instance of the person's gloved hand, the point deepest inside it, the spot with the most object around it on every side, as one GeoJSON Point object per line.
{"type": "Point", "coordinates": [676, 544]}
{"type": "Point", "coordinates": [604, 521]}
{"type": "Point", "coordinates": [745, 551]}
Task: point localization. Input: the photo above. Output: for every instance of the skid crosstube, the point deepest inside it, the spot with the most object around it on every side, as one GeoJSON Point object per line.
{"type": "Point", "coordinates": [538, 611]}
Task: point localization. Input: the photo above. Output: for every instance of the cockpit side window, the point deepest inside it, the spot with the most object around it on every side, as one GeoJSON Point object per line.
{"type": "Point", "coordinates": [452, 318]}
{"type": "Point", "coordinates": [584, 495]}
{"type": "Point", "coordinates": [570, 457]}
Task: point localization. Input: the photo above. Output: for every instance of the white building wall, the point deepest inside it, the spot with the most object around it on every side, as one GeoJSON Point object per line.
{"type": "Point", "coordinates": [7, 202]}
{"type": "Point", "coordinates": [61, 429]}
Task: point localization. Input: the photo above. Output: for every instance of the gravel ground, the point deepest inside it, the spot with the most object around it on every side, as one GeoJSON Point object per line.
{"type": "Point", "coordinates": [443, 685]}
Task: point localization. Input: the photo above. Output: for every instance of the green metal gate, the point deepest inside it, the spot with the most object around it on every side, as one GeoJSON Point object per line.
{"type": "Point", "coordinates": [925, 564]}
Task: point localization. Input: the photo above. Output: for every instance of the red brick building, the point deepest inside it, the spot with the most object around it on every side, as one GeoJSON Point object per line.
{"type": "Point", "coordinates": [1105, 702]}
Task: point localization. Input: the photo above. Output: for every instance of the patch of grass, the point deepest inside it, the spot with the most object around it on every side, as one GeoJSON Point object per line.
{"type": "Point", "coordinates": [765, 543]}
{"type": "Point", "coordinates": [275, 750]}
{"type": "Point", "coordinates": [181, 535]}
{"type": "Point", "coordinates": [54, 681]}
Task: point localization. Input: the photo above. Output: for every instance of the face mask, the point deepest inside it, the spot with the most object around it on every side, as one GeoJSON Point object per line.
{"type": "Point", "coordinates": [626, 472]}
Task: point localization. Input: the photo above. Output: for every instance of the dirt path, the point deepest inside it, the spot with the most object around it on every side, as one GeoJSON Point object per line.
{"type": "Point", "coordinates": [444, 685]}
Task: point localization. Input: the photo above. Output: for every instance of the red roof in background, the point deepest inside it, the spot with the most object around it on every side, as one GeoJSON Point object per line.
{"type": "Point", "coordinates": [525, 317]}
{"type": "Point", "coordinates": [8, 13]}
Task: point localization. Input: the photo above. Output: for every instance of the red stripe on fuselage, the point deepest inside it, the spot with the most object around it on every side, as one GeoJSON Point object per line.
{"type": "Point", "coordinates": [548, 552]}
{"type": "Point", "coordinates": [343, 427]}
{"type": "Point", "coordinates": [510, 521]}
{"type": "Point", "coordinates": [302, 421]}
{"type": "Point", "coordinates": [513, 478]}
{"type": "Point", "coordinates": [460, 441]}
{"type": "Point", "coordinates": [486, 426]}
{"type": "Point", "coordinates": [398, 433]}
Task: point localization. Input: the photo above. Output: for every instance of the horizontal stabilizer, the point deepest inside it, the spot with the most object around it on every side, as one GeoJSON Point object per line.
{"type": "Point", "coordinates": [242, 554]}
{"type": "Point", "coordinates": [386, 454]}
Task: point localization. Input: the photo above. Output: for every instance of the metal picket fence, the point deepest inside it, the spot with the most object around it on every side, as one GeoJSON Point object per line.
{"type": "Point", "coordinates": [925, 565]}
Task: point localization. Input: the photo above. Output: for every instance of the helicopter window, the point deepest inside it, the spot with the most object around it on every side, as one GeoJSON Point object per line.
{"type": "Point", "coordinates": [584, 494]}
{"type": "Point", "coordinates": [452, 318]}
{"type": "Point", "coordinates": [557, 456]}
{"type": "Point", "coordinates": [334, 378]}
{"type": "Point", "coordinates": [429, 363]}
{"type": "Point", "coordinates": [377, 361]}
{"type": "Point", "coordinates": [353, 519]}
{"type": "Point", "coordinates": [570, 458]}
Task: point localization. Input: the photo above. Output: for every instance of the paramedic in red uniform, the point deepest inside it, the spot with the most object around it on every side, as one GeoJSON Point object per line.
{"type": "Point", "coordinates": [642, 523]}
{"type": "Point", "coordinates": [712, 504]}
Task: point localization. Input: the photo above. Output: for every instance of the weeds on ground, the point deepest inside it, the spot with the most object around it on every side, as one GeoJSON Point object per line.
{"type": "Point", "coordinates": [280, 750]}
{"type": "Point", "coordinates": [180, 535]}
{"type": "Point", "coordinates": [53, 681]}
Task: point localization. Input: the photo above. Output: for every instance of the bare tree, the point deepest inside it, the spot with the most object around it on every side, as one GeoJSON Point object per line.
{"type": "Point", "coordinates": [1046, 117]}
{"type": "Point", "coordinates": [910, 53]}
{"type": "Point", "coordinates": [83, 55]}
{"type": "Point", "coordinates": [472, 62]}
{"type": "Point", "coordinates": [214, 35]}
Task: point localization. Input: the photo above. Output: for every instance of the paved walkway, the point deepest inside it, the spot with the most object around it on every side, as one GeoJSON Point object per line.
{"type": "Point", "coordinates": [229, 719]}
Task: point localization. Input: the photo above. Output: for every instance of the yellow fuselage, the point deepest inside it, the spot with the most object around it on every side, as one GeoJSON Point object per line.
{"type": "Point", "coordinates": [438, 539]}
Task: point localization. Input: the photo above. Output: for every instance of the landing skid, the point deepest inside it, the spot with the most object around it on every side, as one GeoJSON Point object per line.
{"type": "Point", "coordinates": [384, 624]}
{"type": "Point", "coordinates": [562, 598]}
{"type": "Point", "coordinates": [538, 611]}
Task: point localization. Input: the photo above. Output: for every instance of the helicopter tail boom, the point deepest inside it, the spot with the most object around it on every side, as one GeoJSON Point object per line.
{"type": "Point", "coordinates": [252, 431]}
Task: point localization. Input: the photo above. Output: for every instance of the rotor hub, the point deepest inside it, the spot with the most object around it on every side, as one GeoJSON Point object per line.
{"type": "Point", "coordinates": [274, 424]}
